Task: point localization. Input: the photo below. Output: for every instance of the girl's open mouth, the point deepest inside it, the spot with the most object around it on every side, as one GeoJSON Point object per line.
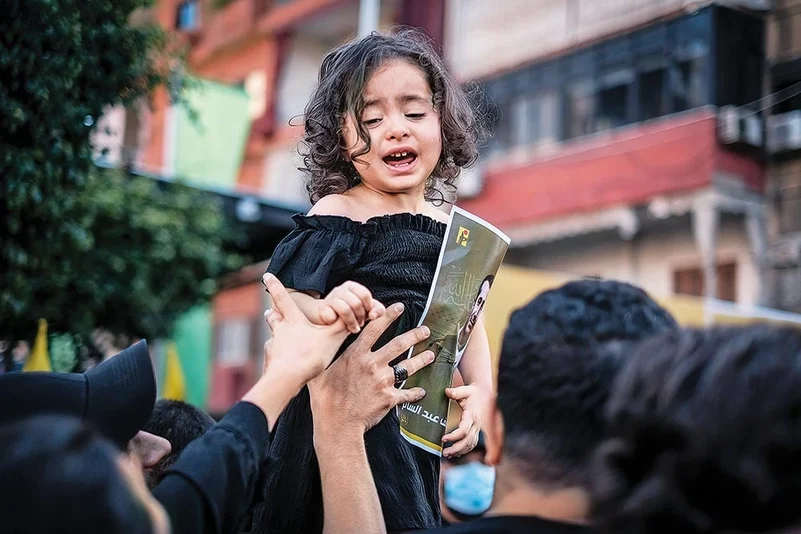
{"type": "Point", "coordinates": [400, 160]}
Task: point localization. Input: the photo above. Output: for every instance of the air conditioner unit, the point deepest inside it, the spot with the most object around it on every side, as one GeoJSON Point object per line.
{"type": "Point", "coordinates": [784, 132]}
{"type": "Point", "coordinates": [739, 126]}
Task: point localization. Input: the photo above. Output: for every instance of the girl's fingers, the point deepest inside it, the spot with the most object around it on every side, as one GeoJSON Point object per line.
{"type": "Point", "coordinates": [463, 446]}
{"type": "Point", "coordinates": [327, 314]}
{"type": "Point", "coordinates": [345, 312]}
{"type": "Point", "coordinates": [356, 305]}
{"type": "Point", "coordinates": [360, 292]}
{"type": "Point", "coordinates": [377, 311]}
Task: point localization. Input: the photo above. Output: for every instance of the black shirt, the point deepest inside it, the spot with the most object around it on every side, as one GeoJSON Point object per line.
{"type": "Point", "coordinates": [212, 485]}
{"type": "Point", "coordinates": [513, 524]}
{"type": "Point", "coordinates": [395, 257]}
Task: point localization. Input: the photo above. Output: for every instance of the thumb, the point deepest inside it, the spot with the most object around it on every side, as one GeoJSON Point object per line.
{"type": "Point", "coordinates": [327, 314]}
{"type": "Point", "coordinates": [459, 393]}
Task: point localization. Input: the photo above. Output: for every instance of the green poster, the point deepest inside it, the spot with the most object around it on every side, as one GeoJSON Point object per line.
{"type": "Point", "coordinates": [469, 259]}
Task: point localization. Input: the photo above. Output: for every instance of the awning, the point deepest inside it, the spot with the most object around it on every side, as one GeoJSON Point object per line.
{"type": "Point", "coordinates": [264, 222]}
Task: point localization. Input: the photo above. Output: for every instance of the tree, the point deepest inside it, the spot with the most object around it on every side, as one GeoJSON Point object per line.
{"type": "Point", "coordinates": [86, 248]}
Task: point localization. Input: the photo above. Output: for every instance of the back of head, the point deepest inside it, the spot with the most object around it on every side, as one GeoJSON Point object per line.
{"type": "Point", "coordinates": [58, 475]}
{"type": "Point", "coordinates": [559, 358]}
{"type": "Point", "coordinates": [704, 434]}
{"type": "Point", "coordinates": [344, 73]}
{"type": "Point", "coordinates": [178, 422]}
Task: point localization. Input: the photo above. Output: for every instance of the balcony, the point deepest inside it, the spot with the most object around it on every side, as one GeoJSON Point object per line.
{"type": "Point", "coordinates": [675, 154]}
{"type": "Point", "coordinates": [227, 23]}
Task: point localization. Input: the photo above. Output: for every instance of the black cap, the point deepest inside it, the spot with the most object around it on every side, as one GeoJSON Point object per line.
{"type": "Point", "coordinates": [116, 396]}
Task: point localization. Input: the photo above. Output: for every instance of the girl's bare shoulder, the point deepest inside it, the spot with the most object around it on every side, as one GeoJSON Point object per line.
{"type": "Point", "coordinates": [333, 205]}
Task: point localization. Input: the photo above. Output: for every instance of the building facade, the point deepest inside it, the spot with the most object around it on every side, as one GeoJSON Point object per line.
{"type": "Point", "coordinates": [783, 85]}
{"type": "Point", "coordinates": [627, 138]}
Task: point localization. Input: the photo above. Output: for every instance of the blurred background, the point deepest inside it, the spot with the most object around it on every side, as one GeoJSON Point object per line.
{"type": "Point", "coordinates": [652, 141]}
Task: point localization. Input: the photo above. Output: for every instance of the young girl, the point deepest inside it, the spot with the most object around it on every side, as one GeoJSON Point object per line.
{"type": "Point", "coordinates": [386, 126]}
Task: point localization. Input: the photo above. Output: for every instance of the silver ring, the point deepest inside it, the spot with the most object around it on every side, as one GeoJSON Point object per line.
{"type": "Point", "coordinates": [401, 374]}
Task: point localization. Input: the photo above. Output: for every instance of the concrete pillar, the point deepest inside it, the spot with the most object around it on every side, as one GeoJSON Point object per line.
{"type": "Point", "coordinates": [756, 227]}
{"type": "Point", "coordinates": [706, 224]}
{"type": "Point", "coordinates": [369, 13]}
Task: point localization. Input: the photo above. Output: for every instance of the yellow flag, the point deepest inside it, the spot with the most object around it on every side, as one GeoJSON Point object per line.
{"type": "Point", "coordinates": [39, 359]}
{"type": "Point", "coordinates": [174, 381]}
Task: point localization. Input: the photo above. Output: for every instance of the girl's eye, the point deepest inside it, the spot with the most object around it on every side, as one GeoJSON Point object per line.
{"type": "Point", "coordinates": [415, 115]}
{"type": "Point", "coordinates": [371, 122]}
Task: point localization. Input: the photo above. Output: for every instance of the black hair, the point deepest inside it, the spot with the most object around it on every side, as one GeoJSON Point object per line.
{"type": "Point", "coordinates": [344, 73]}
{"type": "Point", "coordinates": [489, 279]}
{"type": "Point", "coordinates": [178, 422]}
{"type": "Point", "coordinates": [704, 434]}
{"type": "Point", "coordinates": [59, 475]}
{"type": "Point", "coordinates": [556, 369]}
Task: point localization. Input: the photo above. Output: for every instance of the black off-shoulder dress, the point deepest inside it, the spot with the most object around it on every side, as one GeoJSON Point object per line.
{"type": "Point", "coordinates": [395, 257]}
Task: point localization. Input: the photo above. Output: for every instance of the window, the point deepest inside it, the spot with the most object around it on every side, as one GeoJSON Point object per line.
{"type": "Point", "coordinates": [650, 102]}
{"type": "Point", "coordinates": [535, 119]}
{"type": "Point", "coordinates": [612, 107]}
{"type": "Point", "coordinates": [788, 288]}
{"type": "Point", "coordinates": [233, 342]}
{"type": "Point", "coordinates": [687, 85]}
{"type": "Point", "coordinates": [613, 99]}
{"type": "Point", "coordinates": [646, 74]}
{"type": "Point", "coordinates": [581, 109]}
{"type": "Point", "coordinates": [691, 282]}
{"type": "Point", "coordinates": [188, 15]}
{"type": "Point", "coordinates": [790, 208]}
{"type": "Point", "coordinates": [789, 95]}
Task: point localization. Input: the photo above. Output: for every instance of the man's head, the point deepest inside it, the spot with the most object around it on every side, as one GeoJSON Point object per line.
{"type": "Point", "coordinates": [476, 309]}
{"type": "Point", "coordinates": [179, 423]}
{"type": "Point", "coordinates": [555, 373]}
{"type": "Point", "coordinates": [58, 475]}
{"type": "Point", "coordinates": [704, 434]}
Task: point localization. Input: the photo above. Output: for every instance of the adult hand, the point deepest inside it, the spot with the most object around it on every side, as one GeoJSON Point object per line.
{"type": "Point", "coordinates": [358, 390]}
{"type": "Point", "coordinates": [297, 352]}
{"type": "Point", "coordinates": [296, 343]}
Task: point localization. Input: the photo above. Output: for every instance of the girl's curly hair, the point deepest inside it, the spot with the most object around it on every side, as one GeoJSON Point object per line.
{"type": "Point", "coordinates": [344, 74]}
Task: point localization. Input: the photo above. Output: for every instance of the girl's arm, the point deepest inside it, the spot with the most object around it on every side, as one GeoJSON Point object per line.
{"type": "Point", "coordinates": [476, 370]}
{"type": "Point", "coordinates": [351, 302]}
{"type": "Point", "coordinates": [309, 304]}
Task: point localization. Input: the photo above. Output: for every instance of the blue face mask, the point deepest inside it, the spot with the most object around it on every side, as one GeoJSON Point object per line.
{"type": "Point", "coordinates": [469, 487]}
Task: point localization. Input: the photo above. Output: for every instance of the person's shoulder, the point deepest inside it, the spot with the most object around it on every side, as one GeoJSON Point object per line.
{"type": "Point", "coordinates": [512, 524]}
{"type": "Point", "coordinates": [340, 205]}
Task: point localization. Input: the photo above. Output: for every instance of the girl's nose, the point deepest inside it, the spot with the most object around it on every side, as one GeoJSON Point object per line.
{"type": "Point", "coordinates": [397, 128]}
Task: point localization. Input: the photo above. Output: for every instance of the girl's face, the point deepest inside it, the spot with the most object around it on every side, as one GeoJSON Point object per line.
{"type": "Point", "coordinates": [404, 130]}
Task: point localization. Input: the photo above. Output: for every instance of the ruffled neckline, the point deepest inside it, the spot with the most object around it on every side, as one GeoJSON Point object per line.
{"type": "Point", "coordinates": [373, 226]}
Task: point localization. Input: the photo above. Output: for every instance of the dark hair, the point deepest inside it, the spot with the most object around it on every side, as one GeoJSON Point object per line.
{"type": "Point", "coordinates": [489, 279]}
{"type": "Point", "coordinates": [704, 434]}
{"type": "Point", "coordinates": [180, 423]}
{"type": "Point", "coordinates": [557, 367]}
{"type": "Point", "coordinates": [343, 75]}
{"type": "Point", "coordinates": [59, 475]}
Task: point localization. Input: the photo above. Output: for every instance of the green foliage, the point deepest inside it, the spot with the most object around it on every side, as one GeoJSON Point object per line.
{"type": "Point", "coordinates": [80, 247]}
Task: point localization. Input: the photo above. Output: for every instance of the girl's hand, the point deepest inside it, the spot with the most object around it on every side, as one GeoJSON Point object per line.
{"type": "Point", "coordinates": [465, 437]}
{"type": "Point", "coordinates": [351, 302]}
